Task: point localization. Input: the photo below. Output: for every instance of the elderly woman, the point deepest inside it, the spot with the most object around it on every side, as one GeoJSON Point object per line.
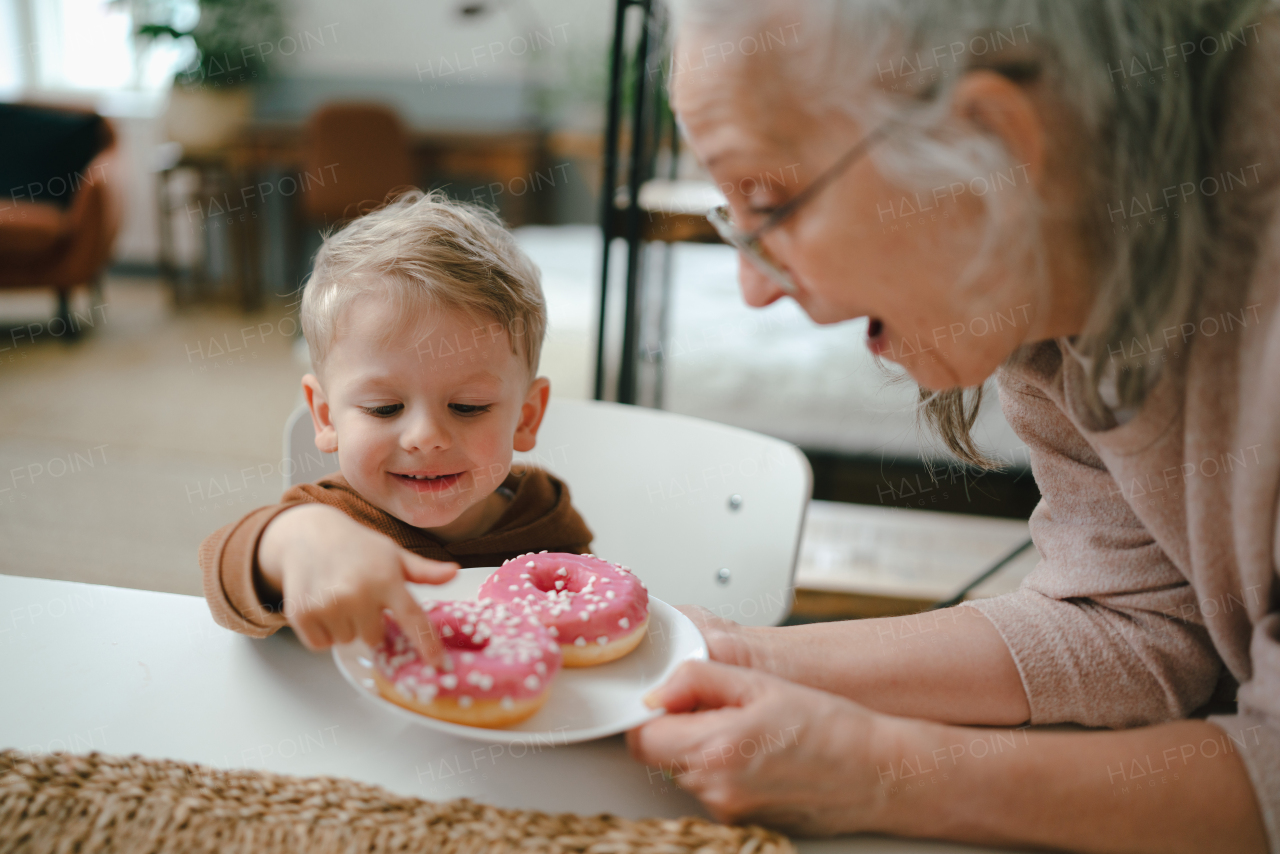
{"type": "Point", "coordinates": [1095, 181]}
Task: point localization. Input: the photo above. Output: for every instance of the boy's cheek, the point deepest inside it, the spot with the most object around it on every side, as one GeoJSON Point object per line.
{"type": "Point", "coordinates": [491, 446]}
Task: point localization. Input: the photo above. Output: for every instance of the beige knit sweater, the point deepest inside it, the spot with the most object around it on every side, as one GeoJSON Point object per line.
{"type": "Point", "coordinates": [1159, 536]}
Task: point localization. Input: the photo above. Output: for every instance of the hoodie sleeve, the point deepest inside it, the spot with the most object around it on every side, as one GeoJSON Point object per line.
{"type": "Point", "coordinates": [229, 561]}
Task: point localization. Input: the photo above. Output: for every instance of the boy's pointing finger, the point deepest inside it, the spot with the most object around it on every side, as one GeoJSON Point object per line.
{"type": "Point", "coordinates": [413, 621]}
{"type": "Point", "coordinates": [421, 570]}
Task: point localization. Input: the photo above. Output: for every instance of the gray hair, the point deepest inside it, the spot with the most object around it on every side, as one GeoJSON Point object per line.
{"type": "Point", "coordinates": [899, 60]}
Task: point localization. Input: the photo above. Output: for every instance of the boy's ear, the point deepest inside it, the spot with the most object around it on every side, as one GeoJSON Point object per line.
{"type": "Point", "coordinates": [326, 434]}
{"type": "Point", "coordinates": [531, 412]}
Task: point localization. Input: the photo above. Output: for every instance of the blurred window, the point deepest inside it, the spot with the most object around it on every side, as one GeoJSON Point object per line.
{"type": "Point", "coordinates": [82, 44]}
{"type": "Point", "coordinates": [78, 45]}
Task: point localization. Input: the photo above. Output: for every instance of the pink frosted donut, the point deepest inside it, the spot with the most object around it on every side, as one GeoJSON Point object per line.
{"type": "Point", "coordinates": [597, 610]}
{"type": "Point", "coordinates": [499, 662]}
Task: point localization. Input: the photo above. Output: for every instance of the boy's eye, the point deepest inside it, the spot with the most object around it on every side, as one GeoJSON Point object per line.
{"type": "Point", "coordinates": [384, 411]}
{"type": "Point", "coordinates": [469, 408]}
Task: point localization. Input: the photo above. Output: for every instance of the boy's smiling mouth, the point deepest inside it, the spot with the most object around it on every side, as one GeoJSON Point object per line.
{"type": "Point", "coordinates": [423, 482]}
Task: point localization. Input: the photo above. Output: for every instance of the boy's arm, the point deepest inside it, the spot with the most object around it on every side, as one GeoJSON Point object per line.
{"type": "Point", "coordinates": [233, 587]}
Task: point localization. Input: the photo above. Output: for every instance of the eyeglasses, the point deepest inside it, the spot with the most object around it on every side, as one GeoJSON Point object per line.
{"type": "Point", "coordinates": [749, 242]}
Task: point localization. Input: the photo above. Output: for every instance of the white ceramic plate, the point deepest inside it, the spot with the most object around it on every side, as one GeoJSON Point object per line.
{"type": "Point", "coordinates": [585, 703]}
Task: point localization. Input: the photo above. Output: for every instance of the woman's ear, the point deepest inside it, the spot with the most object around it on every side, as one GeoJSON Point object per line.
{"type": "Point", "coordinates": [321, 419]}
{"type": "Point", "coordinates": [531, 412]}
{"type": "Point", "coordinates": [1000, 107]}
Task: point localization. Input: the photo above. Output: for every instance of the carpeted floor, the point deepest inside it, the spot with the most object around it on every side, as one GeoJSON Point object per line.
{"type": "Point", "coordinates": [120, 451]}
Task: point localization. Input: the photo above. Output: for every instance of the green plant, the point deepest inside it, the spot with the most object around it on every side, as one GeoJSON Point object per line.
{"type": "Point", "coordinates": [234, 40]}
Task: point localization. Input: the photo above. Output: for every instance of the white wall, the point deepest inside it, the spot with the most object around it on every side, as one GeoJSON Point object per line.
{"type": "Point", "coordinates": [397, 38]}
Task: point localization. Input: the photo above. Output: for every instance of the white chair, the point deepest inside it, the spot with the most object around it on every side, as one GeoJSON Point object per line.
{"type": "Point", "coordinates": [303, 461]}
{"type": "Point", "coordinates": [703, 512]}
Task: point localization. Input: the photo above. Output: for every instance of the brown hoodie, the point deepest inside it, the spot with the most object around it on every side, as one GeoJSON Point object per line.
{"type": "Point", "coordinates": [539, 517]}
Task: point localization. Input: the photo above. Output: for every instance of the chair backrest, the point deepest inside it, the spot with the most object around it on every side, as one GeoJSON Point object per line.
{"type": "Point", "coordinates": [355, 153]}
{"type": "Point", "coordinates": [303, 462]}
{"type": "Point", "coordinates": [705, 513]}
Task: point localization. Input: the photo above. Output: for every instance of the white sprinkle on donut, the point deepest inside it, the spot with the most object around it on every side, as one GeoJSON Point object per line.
{"type": "Point", "coordinates": [562, 571]}
{"type": "Point", "coordinates": [625, 623]}
{"type": "Point", "coordinates": [513, 587]}
{"type": "Point", "coordinates": [602, 640]}
{"type": "Point", "coordinates": [464, 702]}
{"type": "Point", "coordinates": [532, 682]}
{"type": "Point", "coordinates": [449, 681]}
{"type": "Point", "coordinates": [507, 703]}
{"type": "Point", "coordinates": [531, 564]}
{"type": "Point", "coordinates": [580, 642]}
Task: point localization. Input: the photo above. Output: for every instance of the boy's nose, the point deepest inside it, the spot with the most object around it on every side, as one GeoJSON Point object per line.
{"type": "Point", "coordinates": [424, 433]}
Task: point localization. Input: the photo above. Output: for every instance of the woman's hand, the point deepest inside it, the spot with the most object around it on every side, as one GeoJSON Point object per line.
{"type": "Point", "coordinates": [753, 747]}
{"type": "Point", "coordinates": [336, 577]}
{"type": "Point", "coordinates": [727, 642]}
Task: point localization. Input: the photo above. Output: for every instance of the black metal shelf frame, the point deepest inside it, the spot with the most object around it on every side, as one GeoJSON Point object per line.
{"type": "Point", "coordinates": [635, 84]}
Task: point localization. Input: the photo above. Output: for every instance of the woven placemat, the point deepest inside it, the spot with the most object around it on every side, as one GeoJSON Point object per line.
{"type": "Point", "coordinates": [89, 803]}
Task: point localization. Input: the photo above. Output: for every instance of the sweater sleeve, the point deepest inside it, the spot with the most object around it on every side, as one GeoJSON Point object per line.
{"type": "Point", "coordinates": [1104, 631]}
{"type": "Point", "coordinates": [1254, 732]}
{"type": "Point", "coordinates": [228, 565]}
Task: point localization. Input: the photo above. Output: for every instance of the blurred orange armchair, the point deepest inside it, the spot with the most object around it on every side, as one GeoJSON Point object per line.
{"type": "Point", "coordinates": [60, 198]}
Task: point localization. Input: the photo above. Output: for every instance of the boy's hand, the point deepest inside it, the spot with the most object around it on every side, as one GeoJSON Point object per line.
{"type": "Point", "coordinates": [336, 576]}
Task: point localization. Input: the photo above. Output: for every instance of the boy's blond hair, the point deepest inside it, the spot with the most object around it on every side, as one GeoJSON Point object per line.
{"type": "Point", "coordinates": [426, 252]}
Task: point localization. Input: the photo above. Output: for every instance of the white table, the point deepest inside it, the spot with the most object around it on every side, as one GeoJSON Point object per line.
{"type": "Point", "coordinates": [87, 667]}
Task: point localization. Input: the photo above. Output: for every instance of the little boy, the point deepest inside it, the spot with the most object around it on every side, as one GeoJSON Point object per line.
{"type": "Point", "coordinates": [425, 322]}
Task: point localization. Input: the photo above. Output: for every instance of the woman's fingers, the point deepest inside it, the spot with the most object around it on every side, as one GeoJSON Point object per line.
{"type": "Point", "coordinates": [701, 685]}
{"type": "Point", "coordinates": [715, 691]}
{"type": "Point", "coordinates": [698, 614]}
{"type": "Point", "coordinates": [670, 740]}
{"type": "Point", "coordinates": [725, 639]}
{"type": "Point", "coordinates": [420, 570]}
{"type": "Point", "coordinates": [414, 623]}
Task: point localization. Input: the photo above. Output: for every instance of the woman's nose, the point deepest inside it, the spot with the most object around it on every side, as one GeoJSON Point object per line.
{"type": "Point", "coordinates": [758, 289]}
{"type": "Point", "coordinates": [423, 431]}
